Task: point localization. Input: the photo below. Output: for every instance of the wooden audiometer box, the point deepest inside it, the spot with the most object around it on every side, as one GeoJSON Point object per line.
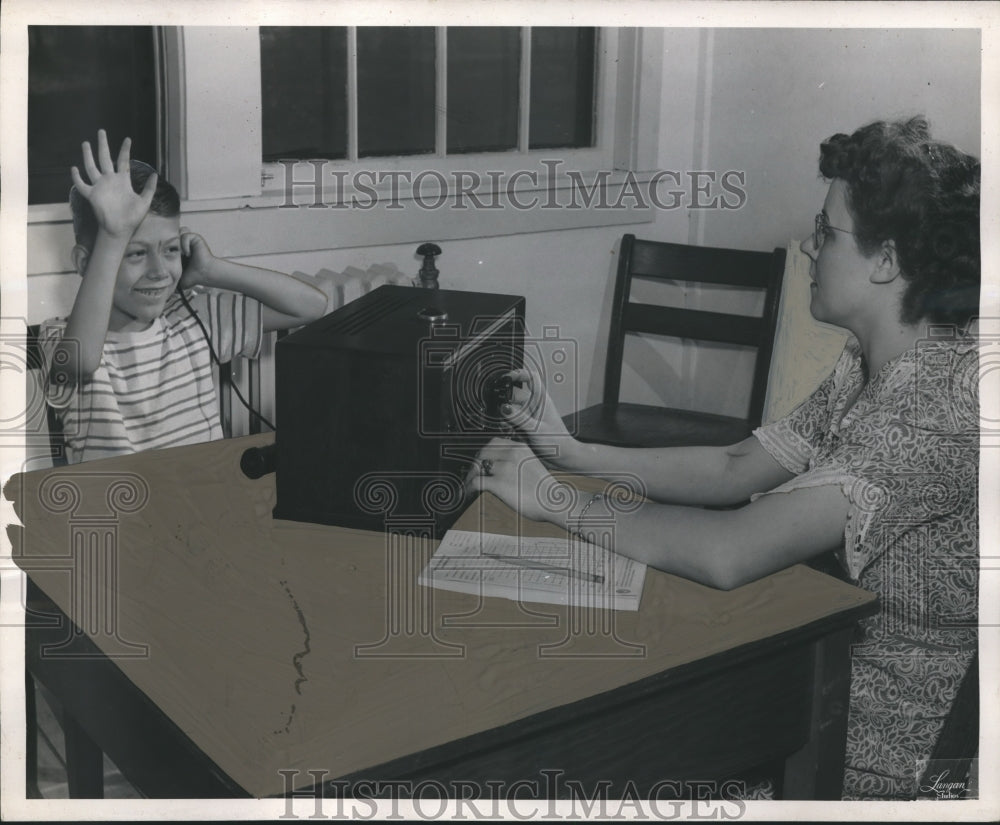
{"type": "Point", "coordinates": [383, 403]}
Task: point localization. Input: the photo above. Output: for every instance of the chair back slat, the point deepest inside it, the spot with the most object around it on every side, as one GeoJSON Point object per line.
{"type": "Point", "coordinates": [661, 261]}
{"type": "Point", "coordinates": [769, 318]}
{"type": "Point", "coordinates": [32, 347]}
{"type": "Point", "coordinates": [700, 264]}
{"type": "Point", "coordinates": [224, 373]}
{"type": "Point", "coordinates": [699, 325]}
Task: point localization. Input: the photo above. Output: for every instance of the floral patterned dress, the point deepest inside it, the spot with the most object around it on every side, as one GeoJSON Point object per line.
{"type": "Point", "coordinates": [904, 449]}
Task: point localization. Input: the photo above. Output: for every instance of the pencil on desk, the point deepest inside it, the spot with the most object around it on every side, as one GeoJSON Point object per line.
{"type": "Point", "coordinates": [595, 578]}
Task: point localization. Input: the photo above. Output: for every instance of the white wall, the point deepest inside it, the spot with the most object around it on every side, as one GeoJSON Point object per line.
{"type": "Point", "coordinates": [752, 100]}
{"type": "Point", "coordinates": [776, 94]}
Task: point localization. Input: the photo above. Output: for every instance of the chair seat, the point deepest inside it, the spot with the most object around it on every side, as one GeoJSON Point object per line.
{"type": "Point", "coordinates": [641, 425]}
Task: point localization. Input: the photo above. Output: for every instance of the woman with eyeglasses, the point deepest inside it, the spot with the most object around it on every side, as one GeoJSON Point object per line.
{"type": "Point", "coordinates": [880, 464]}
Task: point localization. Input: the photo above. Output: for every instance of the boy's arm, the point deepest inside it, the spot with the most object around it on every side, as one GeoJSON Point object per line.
{"type": "Point", "coordinates": [79, 354]}
{"type": "Point", "coordinates": [287, 301]}
{"type": "Point", "coordinates": [119, 210]}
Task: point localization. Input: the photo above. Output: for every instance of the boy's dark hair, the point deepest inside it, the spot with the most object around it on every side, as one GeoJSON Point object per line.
{"type": "Point", "coordinates": [166, 203]}
{"type": "Point", "coordinates": [923, 195]}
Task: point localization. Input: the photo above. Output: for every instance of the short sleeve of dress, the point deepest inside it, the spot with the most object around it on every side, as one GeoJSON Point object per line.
{"type": "Point", "coordinates": [795, 440]}
{"type": "Point", "coordinates": [904, 452]}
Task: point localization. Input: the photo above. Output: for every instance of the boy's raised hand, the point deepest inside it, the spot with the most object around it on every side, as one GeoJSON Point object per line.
{"type": "Point", "coordinates": [117, 207]}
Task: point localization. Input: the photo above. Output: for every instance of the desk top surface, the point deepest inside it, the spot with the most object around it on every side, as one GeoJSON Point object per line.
{"type": "Point", "coordinates": [279, 645]}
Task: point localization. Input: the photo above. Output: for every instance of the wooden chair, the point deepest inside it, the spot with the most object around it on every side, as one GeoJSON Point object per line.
{"type": "Point", "coordinates": [40, 429]}
{"type": "Point", "coordinates": [627, 424]}
{"type": "Point", "coordinates": [227, 382]}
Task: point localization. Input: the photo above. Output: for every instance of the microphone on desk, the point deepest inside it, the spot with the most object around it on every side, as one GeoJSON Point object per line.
{"type": "Point", "coordinates": [258, 461]}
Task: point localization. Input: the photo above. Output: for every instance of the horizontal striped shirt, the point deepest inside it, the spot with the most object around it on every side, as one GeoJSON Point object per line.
{"type": "Point", "coordinates": [154, 388]}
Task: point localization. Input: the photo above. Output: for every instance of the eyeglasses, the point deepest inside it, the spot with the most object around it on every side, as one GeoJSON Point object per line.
{"type": "Point", "coordinates": [820, 228]}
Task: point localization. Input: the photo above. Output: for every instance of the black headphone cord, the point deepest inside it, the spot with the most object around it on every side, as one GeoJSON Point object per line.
{"type": "Point", "coordinates": [215, 358]}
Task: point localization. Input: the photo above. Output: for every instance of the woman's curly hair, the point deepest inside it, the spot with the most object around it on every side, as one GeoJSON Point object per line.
{"type": "Point", "coordinates": [924, 196]}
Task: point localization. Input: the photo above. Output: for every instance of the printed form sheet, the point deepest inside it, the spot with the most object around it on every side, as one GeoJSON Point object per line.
{"type": "Point", "coordinates": [526, 569]}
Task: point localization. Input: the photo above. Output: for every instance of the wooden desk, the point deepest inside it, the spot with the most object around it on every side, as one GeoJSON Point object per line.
{"type": "Point", "coordinates": [226, 653]}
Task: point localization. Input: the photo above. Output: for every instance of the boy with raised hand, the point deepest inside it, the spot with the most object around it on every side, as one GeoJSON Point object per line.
{"type": "Point", "coordinates": [130, 368]}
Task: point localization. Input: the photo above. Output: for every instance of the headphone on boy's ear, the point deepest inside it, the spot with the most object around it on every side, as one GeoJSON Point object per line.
{"type": "Point", "coordinates": [218, 363]}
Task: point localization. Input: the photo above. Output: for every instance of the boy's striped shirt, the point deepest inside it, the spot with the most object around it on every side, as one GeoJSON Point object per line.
{"type": "Point", "coordinates": [154, 388]}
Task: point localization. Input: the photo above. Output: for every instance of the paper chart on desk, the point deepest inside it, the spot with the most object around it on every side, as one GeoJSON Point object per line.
{"type": "Point", "coordinates": [540, 570]}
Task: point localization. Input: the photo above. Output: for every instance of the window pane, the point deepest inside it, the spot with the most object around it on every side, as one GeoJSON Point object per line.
{"type": "Point", "coordinates": [396, 99]}
{"type": "Point", "coordinates": [303, 91]}
{"type": "Point", "coordinates": [562, 87]}
{"type": "Point", "coordinates": [483, 71]}
{"type": "Point", "coordinates": [81, 79]}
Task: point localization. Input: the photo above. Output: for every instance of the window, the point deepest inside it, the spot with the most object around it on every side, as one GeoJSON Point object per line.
{"type": "Point", "coordinates": [395, 91]}
{"type": "Point", "coordinates": [80, 79]}
{"type": "Point", "coordinates": [594, 97]}
{"type": "Point", "coordinates": [594, 106]}
{"type": "Point", "coordinates": [483, 89]}
{"type": "Point", "coordinates": [303, 105]}
{"type": "Point", "coordinates": [562, 87]}
{"type": "Point", "coordinates": [341, 93]}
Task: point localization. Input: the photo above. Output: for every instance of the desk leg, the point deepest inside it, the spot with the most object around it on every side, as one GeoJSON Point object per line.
{"type": "Point", "coordinates": [817, 770]}
{"type": "Point", "coordinates": [84, 762]}
{"type": "Point", "coordinates": [31, 790]}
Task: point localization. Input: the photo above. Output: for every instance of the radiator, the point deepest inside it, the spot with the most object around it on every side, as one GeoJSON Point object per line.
{"type": "Point", "coordinates": [256, 378]}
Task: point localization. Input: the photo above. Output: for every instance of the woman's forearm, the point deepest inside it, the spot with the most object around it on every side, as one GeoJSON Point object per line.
{"type": "Point", "coordinates": [681, 475]}
{"type": "Point", "coordinates": [721, 548]}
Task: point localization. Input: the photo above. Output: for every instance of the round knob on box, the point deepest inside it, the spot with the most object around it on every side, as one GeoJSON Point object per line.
{"type": "Point", "coordinates": [428, 272]}
{"type": "Point", "coordinates": [433, 315]}
{"type": "Point", "coordinates": [257, 462]}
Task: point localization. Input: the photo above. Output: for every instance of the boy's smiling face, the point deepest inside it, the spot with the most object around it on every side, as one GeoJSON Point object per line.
{"type": "Point", "coordinates": [148, 274]}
